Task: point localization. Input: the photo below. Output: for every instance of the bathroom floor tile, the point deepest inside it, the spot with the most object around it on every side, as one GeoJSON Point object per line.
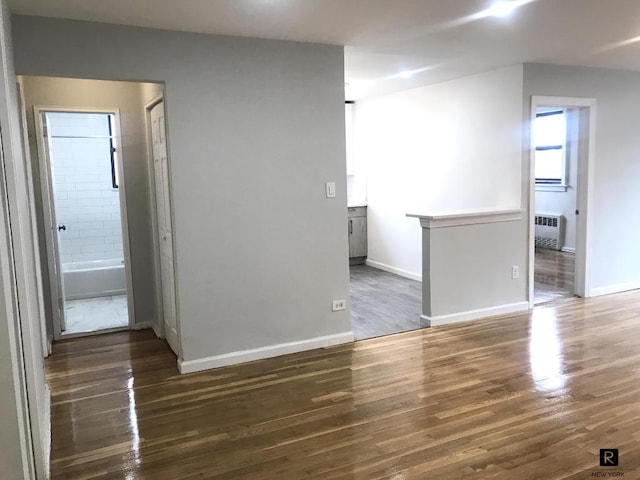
{"type": "Point", "coordinates": [93, 314]}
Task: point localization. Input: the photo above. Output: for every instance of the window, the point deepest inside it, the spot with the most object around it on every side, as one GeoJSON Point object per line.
{"type": "Point", "coordinates": [550, 138]}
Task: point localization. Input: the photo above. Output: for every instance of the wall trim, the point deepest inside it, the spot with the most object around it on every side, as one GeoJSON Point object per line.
{"type": "Point", "coordinates": [206, 363]}
{"type": "Point", "coordinates": [467, 217]}
{"type": "Point", "coordinates": [142, 326]}
{"type": "Point", "coordinates": [46, 421]}
{"type": "Point", "coordinates": [568, 250]}
{"type": "Point", "coordinates": [391, 269]}
{"type": "Point", "coordinates": [617, 288]}
{"type": "Point", "coordinates": [437, 320]}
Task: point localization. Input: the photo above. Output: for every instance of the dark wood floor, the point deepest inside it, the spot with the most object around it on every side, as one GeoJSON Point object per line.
{"type": "Point", "coordinates": [383, 303]}
{"type": "Point", "coordinates": [521, 397]}
{"type": "Point", "coordinates": [554, 275]}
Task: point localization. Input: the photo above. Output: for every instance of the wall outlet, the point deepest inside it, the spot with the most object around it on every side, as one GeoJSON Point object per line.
{"type": "Point", "coordinates": [338, 305]}
{"type": "Point", "coordinates": [515, 272]}
{"type": "Point", "coordinates": [331, 189]}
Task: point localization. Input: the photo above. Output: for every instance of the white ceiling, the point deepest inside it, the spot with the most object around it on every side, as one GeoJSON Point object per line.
{"type": "Point", "coordinates": [386, 37]}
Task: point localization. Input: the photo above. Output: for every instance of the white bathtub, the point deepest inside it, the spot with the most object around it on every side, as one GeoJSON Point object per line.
{"type": "Point", "coordinates": [96, 278]}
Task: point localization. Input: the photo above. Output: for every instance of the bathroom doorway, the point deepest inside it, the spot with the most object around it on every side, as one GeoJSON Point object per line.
{"type": "Point", "coordinates": [85, 217]}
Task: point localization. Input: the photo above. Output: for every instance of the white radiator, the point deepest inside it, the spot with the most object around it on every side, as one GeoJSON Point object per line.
{"type": "Point", "coordinates": [549, 231]}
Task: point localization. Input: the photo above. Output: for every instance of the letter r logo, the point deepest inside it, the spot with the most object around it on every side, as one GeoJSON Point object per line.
{"type": "Point", "coordinates": [608, 457]}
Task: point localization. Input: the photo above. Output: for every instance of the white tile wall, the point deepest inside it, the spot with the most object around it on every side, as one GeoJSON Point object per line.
{"type": "Point", "coordinates": [84, 198]}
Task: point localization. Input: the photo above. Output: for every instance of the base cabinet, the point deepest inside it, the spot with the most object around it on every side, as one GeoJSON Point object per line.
{"type": "Point", "coordinates": [357, 235]}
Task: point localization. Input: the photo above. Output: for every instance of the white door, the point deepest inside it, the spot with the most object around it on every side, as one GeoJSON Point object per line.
{"type": "Point", "coordinates": [56, 283]}
{"type": "Point", "coordinates": [163, 206]}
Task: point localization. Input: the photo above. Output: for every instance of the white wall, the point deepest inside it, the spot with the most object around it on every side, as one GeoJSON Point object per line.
{"type": "Point", "coordinates": [255, 129]}
{"type": "Point", "coordinates": [129, 98]}
{"type": "Point", "coordinates": [357, 174]}
{"type": "Point", "coordinates": [563, 202]}
{"type": "Point", "coordinates": [615, 257]}
{"type": "Point", "coordinates": [450, 146]}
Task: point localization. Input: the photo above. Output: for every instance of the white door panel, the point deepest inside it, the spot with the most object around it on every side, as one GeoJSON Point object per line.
{"type": "Point", "coordinates": [165, 230]}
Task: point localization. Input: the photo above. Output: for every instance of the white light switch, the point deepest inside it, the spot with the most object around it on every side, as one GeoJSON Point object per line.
{"type": "Point", "coordinates": [331, 189]}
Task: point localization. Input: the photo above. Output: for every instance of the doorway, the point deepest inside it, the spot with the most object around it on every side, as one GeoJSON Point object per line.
{"type": "Point", "coordinates": [562, 133]}
{"type": "Point", "coordinates": [86, 221]}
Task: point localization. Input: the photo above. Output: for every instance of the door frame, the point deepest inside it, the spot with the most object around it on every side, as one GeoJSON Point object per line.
{"type": "Point", "coordinates": [159, 328]}
{"type": "Point", "coordinates": [584, 186]}
{"type": "Point", "coordinates": [46, 184]}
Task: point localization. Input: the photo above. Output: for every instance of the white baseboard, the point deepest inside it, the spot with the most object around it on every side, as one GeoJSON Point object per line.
{"type": "Point", "coordinates": [190, 366]}
{"type": "Point", "coordinates": [620, 287]}
{"type": "Point", "coordinates": [473, 314]}
{"type": "Point", "coordinates": [142, 326]}
{"type": "Point", "coordinates": [157, 330]}
{"type": "Point", "coordinates": [47, 431]}
{"type": "Point", "coordinates": [390, 269]}
{"type": "Point", "coordinates": [568, 250]}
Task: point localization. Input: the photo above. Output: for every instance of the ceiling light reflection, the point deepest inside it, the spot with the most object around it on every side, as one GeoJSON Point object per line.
{"type": "Point", "coordinates": [545, 351]}
{"type": "Point", "coordinates": [133, 422]}
{"type": "Point", "coordinates": [408, 73]}
{"type": "Point", "coordinates": [498, 9]}
{"type": "Point", "coordinates": [613, 46]}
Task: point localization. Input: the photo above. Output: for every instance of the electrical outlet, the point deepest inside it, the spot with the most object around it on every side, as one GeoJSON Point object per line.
{"type": "Point", "coordinates": [338, 305]}
{"type": "Point", "coordinates": [515, 272]}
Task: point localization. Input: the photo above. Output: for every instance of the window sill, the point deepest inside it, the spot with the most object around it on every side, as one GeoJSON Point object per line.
{"type": "Point", "coordinates": [551, 188]}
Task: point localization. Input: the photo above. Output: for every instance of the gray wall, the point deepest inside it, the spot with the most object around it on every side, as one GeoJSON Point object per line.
{"type": "Point", "coordinates": [615, 257]}
{"type": "Point", "coordinates": [128, 97]}
{"type": "Point", "coordinates": [470, 268]}
{"type": "Point", "coordinates": [255, 129]}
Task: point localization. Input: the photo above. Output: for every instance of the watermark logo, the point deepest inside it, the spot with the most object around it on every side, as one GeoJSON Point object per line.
{"type": "Point", "coordinates": [608, 457]}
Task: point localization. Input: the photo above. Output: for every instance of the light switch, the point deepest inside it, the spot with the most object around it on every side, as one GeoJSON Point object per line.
{"type": "Point", "coordinates": [331, 189]}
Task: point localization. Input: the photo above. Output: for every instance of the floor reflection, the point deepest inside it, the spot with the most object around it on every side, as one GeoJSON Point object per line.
{"type": "Point", "coordinates": [133, 422]}
{"type": "Point", "coordinates": [545, 351]}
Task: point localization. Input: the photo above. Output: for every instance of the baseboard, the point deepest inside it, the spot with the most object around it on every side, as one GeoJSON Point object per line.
{"type": "Point", "coordinates": [47, 432]}
{"type": "Point", "coordinates": [609, 289]}
{"type": "Point", "coordinates": [142, 326]}
{"type": "Point", "coordinates": [156, 330]}
{"type": "Point", "coordinates": [436, 320]}
{"type": "Point", "coordinates": [190, 366]}
{"type": "Point", "coordinates": [568, 250]}
{"type": "Point", "coordinates": [390, 269]}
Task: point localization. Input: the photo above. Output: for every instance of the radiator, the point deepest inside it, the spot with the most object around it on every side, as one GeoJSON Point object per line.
{"type": "Point", "coordinates": [549, 231]}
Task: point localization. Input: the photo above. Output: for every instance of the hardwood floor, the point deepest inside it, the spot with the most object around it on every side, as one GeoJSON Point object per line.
{"type": "Point", "coordinates": [383, 303]}
{"type": "Point", "coordinates": [554, 275]}
{"type": "Point", "coordinates": [519, 397]}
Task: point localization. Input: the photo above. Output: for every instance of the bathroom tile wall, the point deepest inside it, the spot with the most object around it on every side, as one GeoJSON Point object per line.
{"type": "Point", "coordinates": [85, 200]}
